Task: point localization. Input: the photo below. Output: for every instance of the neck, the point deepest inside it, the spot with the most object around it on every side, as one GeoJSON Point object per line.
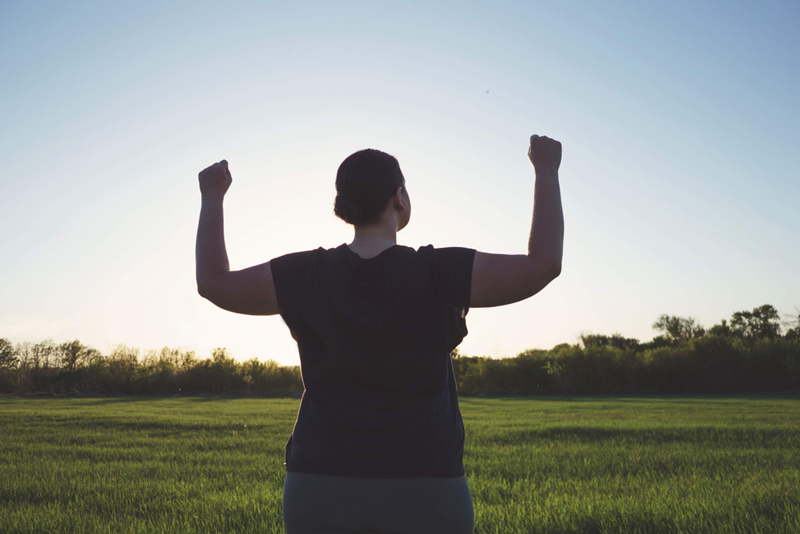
{"type": "Point", "coordinates": [371, 240]}
{"type": "Point", "coordinates": [366, 234]}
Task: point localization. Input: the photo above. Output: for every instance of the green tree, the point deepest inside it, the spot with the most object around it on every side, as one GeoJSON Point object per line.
{"type": "Point", "coordinates": [121, 366]}
{"type": "Point", "coordinates": [678, 329]}
{"type": "Point", "coordinates": [72, 353]}
{"type": "Point", "coordinates": [763, 322]}
{"type": "Point", "coordinates": [793, 325]}
{"type": "Point", "coordinates": [186, 360]}
{"type": "Point", "coordinates": [44, 354]}
{"type": "Point", "coordinates": [8, 355]}
{"type": "Point", "coordinates": [220, 356]}
{"type": "Point", "coordinates": [722, 330]}
{"type": "Point", "coordinates": [615, 340]}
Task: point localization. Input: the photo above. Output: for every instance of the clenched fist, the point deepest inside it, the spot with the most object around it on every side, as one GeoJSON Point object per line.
{"type": "Point", "coordinates": [216, 179]}
{"type": "Point", "coordinates": [545, 154]}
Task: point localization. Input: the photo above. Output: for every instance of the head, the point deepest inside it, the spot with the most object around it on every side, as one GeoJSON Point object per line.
{"type": "Point", "coordinates": [369, 186]}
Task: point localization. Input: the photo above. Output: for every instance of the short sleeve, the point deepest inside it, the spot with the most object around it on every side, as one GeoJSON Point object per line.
{"type": "Point", "coordinates": [453, 268]}
{"type": "Point", "coordinates": [288, 272]}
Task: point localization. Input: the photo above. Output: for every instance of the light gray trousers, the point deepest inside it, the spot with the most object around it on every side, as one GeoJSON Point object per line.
{"type": "Point", "coordinates": [324, 504]}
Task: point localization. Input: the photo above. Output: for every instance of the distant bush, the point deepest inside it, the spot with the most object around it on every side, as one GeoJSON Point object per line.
{"type": "Point", "coordinates": [746, 355]}
{"type": "Point", "coordinates": [707, 364]}
{"type": "Point", "coordinates": [126, 372]}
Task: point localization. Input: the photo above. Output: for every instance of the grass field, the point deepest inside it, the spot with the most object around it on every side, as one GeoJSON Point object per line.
{"type": "Point", "coordinates": [543, 465]}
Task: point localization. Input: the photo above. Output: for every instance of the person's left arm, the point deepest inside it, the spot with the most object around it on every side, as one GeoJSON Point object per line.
{"type": "Point", "coordinates": [250, 291]}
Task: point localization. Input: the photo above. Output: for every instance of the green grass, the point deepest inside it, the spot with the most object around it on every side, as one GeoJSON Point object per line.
{"type": "Point", "coordinates": [543, 465]}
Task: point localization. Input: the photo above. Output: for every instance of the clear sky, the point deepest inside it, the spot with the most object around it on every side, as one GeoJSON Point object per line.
{"type": "Point", "coordinates": [680, 124]}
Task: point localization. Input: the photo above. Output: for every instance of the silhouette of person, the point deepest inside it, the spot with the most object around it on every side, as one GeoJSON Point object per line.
{"type": "Point", "coordinates": [378, 442]}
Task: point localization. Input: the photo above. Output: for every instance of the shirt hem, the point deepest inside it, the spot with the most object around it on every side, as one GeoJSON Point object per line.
{"type": "Point", "coordinates": [356, 473]}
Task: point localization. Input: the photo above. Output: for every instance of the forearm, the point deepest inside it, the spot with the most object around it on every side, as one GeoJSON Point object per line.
{"type": "Point", "coordinates": [211, 258]}
{"type": "Point", "coordinates": [547, 227]}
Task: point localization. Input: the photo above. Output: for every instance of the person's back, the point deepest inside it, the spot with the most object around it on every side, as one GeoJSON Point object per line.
{"type": "Point", "coordinates": [379, 440]}
{"type": "Point", "coordinates": [374, 337]}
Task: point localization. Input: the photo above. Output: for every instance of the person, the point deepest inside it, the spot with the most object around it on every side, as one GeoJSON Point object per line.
{"type": "Point", "coordinates": [378, 441]}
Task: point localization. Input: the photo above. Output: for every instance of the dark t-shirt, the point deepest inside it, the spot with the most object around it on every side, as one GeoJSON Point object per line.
{"type": "Point", "coordinates": [374, 337]}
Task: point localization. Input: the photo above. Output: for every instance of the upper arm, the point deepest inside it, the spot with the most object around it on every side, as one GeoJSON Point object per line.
{"type": "Point", "coordinates": [499, 279]}
{"type": "Point", "coordinates": [250, 291]}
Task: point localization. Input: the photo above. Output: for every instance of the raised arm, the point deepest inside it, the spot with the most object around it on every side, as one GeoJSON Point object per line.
{"type": "Point", "coordinates": [499, 279]}
{"type": "Point", "coordinates": [250, 291]}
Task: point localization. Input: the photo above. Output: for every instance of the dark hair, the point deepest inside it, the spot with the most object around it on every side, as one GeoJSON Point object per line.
{"type": "Point", "coordinates": [365, 183]}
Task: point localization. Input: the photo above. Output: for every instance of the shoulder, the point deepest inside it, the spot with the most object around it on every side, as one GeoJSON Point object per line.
{"type": "Point", "coordinates": [453, 253]}
{"type": "Point", "coordinates": [292, 265]}
{"type": "Point", "coordinates": [443, 258]}
{"type": "Point", "coordinates": [443, 252]}
{"type": "Point", "coordinates": [451, 269]}
{"type": "Point", "coordinates": [293, 258]}
{"type": "Point", "coordinates": [290, 274]}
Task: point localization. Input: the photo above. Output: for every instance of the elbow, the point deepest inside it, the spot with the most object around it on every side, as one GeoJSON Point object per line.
{"type": "Point", "coordinates": [547, 268]}
{"type": "Point", "coordinates": [555, 270]}
{"type": "Point", "coordinates": [203, 290]}
{"type": "Point", "coordinates": [211, 288]}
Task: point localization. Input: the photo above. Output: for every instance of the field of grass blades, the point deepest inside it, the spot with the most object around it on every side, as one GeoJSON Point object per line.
{"type": "Point", "coordinates": [671, 464]}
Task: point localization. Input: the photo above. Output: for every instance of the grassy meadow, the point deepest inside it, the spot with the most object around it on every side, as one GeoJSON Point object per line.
{"type": "Point", "coordinates": [535, 465]}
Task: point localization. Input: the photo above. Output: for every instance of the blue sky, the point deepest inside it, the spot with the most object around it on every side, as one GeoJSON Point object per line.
{"type": "Point", "coordinates": [679, 121]}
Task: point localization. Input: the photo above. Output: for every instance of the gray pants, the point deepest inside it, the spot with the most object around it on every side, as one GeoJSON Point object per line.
{"type": "Point", "coordinates": [323, 504]}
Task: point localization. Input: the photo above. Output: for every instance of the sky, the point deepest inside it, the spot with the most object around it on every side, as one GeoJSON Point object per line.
{"type": "Point", "coordinates": [679, 121]}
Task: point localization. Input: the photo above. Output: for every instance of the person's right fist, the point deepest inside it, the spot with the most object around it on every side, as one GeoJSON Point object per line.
{"type": "Point", "coordinates": [216, 179]}
{"type": "Point", "coordinates": [544, 153]}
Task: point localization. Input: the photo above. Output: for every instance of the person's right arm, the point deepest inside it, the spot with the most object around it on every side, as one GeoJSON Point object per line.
{"type": "Point", "coordinates": [250, 291]}
{"type": "Point", "coordinates": [499, 279]}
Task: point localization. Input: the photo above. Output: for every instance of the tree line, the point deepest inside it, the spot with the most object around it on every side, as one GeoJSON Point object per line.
{"type": "Point", "coordinates": [748, 353]}
{"type": "Point", "coordinates": [72, 368]}
{"type": "Point", "coordinates": [753, 351]}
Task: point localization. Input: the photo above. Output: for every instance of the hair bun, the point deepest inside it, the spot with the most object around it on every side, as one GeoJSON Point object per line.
{"type": "Point", "coordinates": [347, 210]}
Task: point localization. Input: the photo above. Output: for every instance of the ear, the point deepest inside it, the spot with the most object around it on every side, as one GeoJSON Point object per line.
{"type": "Point", "coordinates": [397, 199]}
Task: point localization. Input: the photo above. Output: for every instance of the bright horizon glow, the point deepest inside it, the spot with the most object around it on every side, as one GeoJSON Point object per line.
{"type": "Point", "coordinates": [679, 177]}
